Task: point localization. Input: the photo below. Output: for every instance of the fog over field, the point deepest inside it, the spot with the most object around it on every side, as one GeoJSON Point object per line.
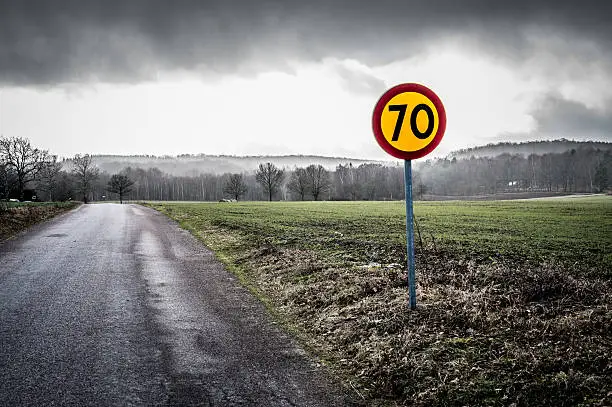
{"type": "Point", "coordinates": [195, 165]}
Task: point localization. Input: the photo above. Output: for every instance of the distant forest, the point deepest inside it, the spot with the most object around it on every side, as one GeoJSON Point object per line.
{"type": "Point", "coordinates": [584, 168]}
{"type": "Point", "coordinates": [528, 148]}
{"type": "Point", "coordinates": [196, 164]}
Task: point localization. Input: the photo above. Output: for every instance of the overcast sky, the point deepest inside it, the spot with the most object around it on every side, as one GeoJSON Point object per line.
{"type": "Point", "coordinates": [249, 77]}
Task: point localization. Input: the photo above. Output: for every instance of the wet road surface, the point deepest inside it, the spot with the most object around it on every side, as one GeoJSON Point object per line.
{"type": "Point", "coordinates": [115, 305]}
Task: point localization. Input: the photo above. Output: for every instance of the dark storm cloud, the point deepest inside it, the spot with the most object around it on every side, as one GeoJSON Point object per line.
{"type": "Point", "coordinates": [49, 42]}
{"type": "Point", "coordinates": [559, 116]}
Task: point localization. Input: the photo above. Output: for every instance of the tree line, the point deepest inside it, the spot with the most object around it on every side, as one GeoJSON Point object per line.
{"type": "Point", "coordinates": [584, 170]}
{"type": "Point", "coordinates": [28, 173]}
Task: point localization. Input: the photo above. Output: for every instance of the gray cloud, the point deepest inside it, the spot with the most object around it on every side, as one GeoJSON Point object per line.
{"type": "Point", "coordinates": [357, 79]}
{"type": "Point", "coordinates": [557, 117]}
{"type": "Point", "coordinates": [50, 42]}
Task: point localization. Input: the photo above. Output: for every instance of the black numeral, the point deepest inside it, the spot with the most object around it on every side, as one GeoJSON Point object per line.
{"type": "Point", "coordinates": [400, 119]}
{"type": "Point", "coordinates": [413, 120]}
{"type": "Point", "coordinates": [430, 121]}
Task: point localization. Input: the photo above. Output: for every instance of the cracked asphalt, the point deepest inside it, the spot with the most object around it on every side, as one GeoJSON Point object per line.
{"type": "Point", "coordinates": [116, 305]}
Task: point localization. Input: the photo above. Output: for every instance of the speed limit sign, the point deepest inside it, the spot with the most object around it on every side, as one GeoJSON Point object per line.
{"type": "Point", "coordinates": [409, 121]}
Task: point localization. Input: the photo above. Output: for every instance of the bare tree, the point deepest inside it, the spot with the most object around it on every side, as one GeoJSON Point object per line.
{"type": "Point", "coordinates": [120, 184]}
{"type": "Point", "coordinates": [235, 186]}
{"type": "Point", "coordinates": [48, 176]}
{"type": "Point", "coordinates": [601, 178]}
{"type": "Point", "coordinates": [270, 177]}
{"type": "Point", "coordinates": [298, 183]}
{"type": "Point", "coordinates": [318, 180]}
{"type": "Point", "coordinates": [421, 190]}
{"type": "Point", "coordinates": [18, 155]}
{"type": "Point", "coordinates": [7, 180]}
{"type": "Point", "coordinates": [85, 172]}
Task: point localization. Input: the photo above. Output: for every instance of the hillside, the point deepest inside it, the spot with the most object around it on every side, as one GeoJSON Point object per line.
{"type": "Point", "coordinates": [193, 165]}
{"type": "Point", "coordinates": [527, 148]}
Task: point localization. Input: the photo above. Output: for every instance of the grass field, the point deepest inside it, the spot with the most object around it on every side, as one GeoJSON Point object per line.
{"type": "Point", "coordinates": [514, 296]}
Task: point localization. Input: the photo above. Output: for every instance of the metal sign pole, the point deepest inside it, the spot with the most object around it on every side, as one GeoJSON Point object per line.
{"type": "Point", "coordinates": [410, 232]}
{"type": "Point", "coordinates": [407, 102]}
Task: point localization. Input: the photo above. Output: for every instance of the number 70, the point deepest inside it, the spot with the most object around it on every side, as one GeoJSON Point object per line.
{"type": "Point", "coordinates": [413, 120]}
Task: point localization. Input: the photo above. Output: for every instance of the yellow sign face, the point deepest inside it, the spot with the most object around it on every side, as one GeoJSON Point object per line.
{"type": "Point", "coordinates": [409, 121]}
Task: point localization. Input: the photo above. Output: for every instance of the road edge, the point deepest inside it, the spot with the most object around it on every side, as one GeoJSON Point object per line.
{"type": "Point", "coordinates": [284, 323]}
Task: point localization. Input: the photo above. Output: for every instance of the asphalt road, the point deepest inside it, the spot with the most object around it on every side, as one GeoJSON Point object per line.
{"type": "Point", "coordinates": [115, 305]}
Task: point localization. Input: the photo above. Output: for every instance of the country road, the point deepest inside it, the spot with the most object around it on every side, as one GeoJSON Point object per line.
{"type": "Point", "coordinates": [115, 305]}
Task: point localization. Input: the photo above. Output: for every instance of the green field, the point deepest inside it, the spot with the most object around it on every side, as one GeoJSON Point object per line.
{"type": "Point", "coordinates": [362, 232]}
{"type": "Point", "coordinates": [514, 296]}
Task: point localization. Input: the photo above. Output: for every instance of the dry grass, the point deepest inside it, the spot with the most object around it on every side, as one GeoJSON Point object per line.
{"type": "Point", "coordinates": [482, 335]}
{"type": "Point", "coordinates": [17, 217]}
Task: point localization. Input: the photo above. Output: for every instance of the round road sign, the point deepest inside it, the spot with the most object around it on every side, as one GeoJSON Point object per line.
{"type": "Point", "coordinates": [409, 121]}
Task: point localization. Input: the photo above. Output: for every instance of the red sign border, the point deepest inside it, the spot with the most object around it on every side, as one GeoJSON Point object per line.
{"type": "Point", "coordinates": [378, 110]}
